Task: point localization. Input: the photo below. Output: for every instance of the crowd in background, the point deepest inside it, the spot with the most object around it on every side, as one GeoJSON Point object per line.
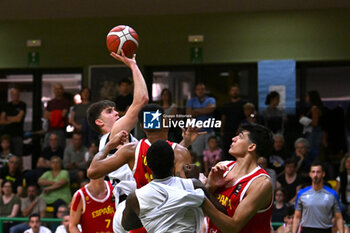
{"type": "Point", "coordinates": [314, 133]}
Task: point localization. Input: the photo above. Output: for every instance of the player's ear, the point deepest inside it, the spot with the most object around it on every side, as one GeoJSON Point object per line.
{"type": "Point", "coordinates": [99, 122]}
{"type": "Point", "coordinates": [252, 147]}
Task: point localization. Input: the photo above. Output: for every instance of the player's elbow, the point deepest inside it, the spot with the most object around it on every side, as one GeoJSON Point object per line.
{"type": "Point", "coordinates": [92, 173]}
{"type": "Point", "coordinates": [145, 99]}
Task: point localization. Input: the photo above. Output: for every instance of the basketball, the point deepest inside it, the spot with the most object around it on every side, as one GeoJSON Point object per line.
{"type": "Point", "coordinates": [122, 37]}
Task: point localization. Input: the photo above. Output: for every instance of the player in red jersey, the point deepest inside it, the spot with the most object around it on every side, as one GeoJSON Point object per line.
{"type": "Point", "coordinates": [93, 205]}
{"type": "Point", "coordinates": [242, 186]}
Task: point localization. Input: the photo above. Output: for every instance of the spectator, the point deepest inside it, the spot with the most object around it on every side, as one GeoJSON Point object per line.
{"type": "Point", "coordinates": [74, 158]}
{"type": "Point", "coordinates": [250, 113]}
{"type": "Point", "coordinates": [9, 204]}
{"type": "Point", "coordinates": [343, 184]}
{"type": "Point", "coordinates": [304, 157]}
{"type": "Point", "coordinates": [262, 162]}
{"type": "Point", "coordinates": [93, 149]}
{"type": "Point", "coordinates": [212, 155]}
{"type": "Point", "coordinates": [232, 116]}
{"type": "Point", "coordinates": [12, 172]}
{"type": "Point", "coordinates": [170, 108]}
{"type": "Point", "coordinates": [288, 221]}
{"type": "Point", "coordinates": [273, 116]}
{"type": "Point", "coordinates": [35, 225]}
{"type": "Point", "coordinates": [124, 100]}
{"type": "Point", "coordinates": [276, 159]}
{"type": "Point", "coordinates": [30, 205]}
{"type": "Point", "coordinates": [289, 181]}
{"type": "Point", "coordinates": [78, 118]}
{"type": "Point", "coordinates": [55, 184]}
{"type": "Point", "coordinates": [5, 143]}
{"type": "Point", "coordinates": [201, 107]}
{"type": "Point", "coordinates": [313, 120]}
{"type": "Point", "coordinates": [64, 228]}
{"type": "Point", "coordinates": [316, 205]}
{"type": "Point", "coordinates": [56, 112]}
{"type": "Point", "coordinates": [279, 206]}
{"type": "Point", "coordinates": [43, 163]}
{"type": "Point", "coordinates": [13, 116]}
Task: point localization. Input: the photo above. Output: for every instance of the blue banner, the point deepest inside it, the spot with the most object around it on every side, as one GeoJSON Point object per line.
{"type": "Point", "coordinates": [280, 76]}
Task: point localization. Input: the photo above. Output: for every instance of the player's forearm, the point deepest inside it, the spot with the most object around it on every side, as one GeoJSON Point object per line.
{"type": "Point", "coordinates": [222, 221]}
{"type": "Point", "coordinates": [340, 225]}
{"type": "Point", "coordinates": [296, 223]}
{"type": "Point", "coordinates": [96, 169]}
{"type": "Point", "coordinates": [140, 87]}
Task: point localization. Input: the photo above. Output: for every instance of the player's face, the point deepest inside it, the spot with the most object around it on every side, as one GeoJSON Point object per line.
{"type": "Point", "coordinates": [316, 174]}
{"type": "Point", "coordinates": [109, 116]}
{"type": "Point", "coordinates": [34, 223]}
{"type": "Point", "coordinates": [240, 144]}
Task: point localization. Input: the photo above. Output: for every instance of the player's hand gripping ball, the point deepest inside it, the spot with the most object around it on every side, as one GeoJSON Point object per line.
{"type": "Point", "coordinates": [124, 38]}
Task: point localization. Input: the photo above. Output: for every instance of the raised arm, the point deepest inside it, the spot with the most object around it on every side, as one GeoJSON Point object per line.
{"type": "Point", "coordinates": [129, 120]}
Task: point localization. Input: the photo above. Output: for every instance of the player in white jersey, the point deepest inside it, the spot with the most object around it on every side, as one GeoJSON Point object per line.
{"type": "Point", "coordinates": [168, 203]}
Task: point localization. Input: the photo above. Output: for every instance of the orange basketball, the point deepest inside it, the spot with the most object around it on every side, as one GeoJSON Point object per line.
{"type": "Point", "coordinates": [123, 37]}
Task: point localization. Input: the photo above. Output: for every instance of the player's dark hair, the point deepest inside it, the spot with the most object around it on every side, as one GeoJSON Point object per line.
{"type": "Point", "coordinates": [261, 137]}
{"type": "Point", "coordinates": [94, 112]}
{"type": "Point", "coordinates": [149, 108]}
{"type": "Point", "coordinates": [160, 159]}
{"type": "Point", "coordinates": [271, 96]}
{"type": "Point", "coordinates": [317, 163]}
{"type": "Point", "coordinates": [34, 215]}
{"type": "Point", "coordinates": [289, 210]}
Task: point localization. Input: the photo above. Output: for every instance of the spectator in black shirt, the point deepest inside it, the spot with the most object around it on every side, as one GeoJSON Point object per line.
{"type": "Point", "coordinates": [124, 100]}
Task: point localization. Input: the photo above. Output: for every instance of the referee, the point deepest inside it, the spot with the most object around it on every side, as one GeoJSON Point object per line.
{"type": "Point", "coordinates": [316, 205]}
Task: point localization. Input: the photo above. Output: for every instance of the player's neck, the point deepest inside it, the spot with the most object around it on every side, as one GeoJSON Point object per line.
{"type": "Point", "coordinates": [155, 136]}
{"type": "Point", "coordinates": [318, 186]}
{"type": "Point", "coordinates": [96, 187]}
{"type": "Point", "coordinates": [245, 165]}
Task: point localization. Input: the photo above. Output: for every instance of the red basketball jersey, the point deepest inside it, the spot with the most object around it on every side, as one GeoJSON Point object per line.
{"type": "Point", "coordinates": [97, 214]}
{"type": "Point", "coordinates": [232, 196]}
{"type": "Point", "coordinates": [142, 173]}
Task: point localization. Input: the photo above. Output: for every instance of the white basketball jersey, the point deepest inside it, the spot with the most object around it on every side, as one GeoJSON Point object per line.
{"type": "Point", "coordinates": [170, 205]}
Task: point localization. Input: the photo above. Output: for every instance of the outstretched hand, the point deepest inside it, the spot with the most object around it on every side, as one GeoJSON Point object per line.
{"type": "Point", "coordinates": [190, 135]}
{"type": "Point", "coordinates": [127, 61]}
{"type": "Point", "coordinates": [216, 177]}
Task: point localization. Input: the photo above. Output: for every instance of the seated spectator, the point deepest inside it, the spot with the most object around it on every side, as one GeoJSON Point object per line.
{"type": "Point", "coordinates": [74, 158]}
{"type": "Point", "coordinates": [289, 181]}
{"type": "Point", "coordinates": [279, 206]}
{"type": "Point", "coordinates": [9, 204]}
{"type": "Point", "coordinates": [262, 162]}
{"type": "Point", "coordinates": [43, 163]}
{"type": "Point", "coordinates": [56, 185]}
{"type": "Point", "coordinates": [12, 172]}
{"type": "Point", "coordinates": [304, 157]}
{"type": "Point", "coordinates": [64, 228]}
{"type": "Point", "coordinates": [30, 205]}
{"type": "Point", "coordinates": [35, 225]}
{"type": "Point", "coordinates": [62, 211]}
{"type": "Point", "coordinates": [276, 159]}
{"type": "Point", "coordinates": [343, 185]}
{"type": "Point", "coordinates": [288, 221]}
{"type": "Point", "coordinates": [5, 153]}
{"type": "Point", "coordinates": [212, 155]}
{"type": "Point", "coordinates": [93, 149]}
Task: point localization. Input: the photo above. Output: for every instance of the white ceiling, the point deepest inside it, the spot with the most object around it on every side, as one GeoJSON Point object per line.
{"type": "Point", "coordinates": [46, 9]}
